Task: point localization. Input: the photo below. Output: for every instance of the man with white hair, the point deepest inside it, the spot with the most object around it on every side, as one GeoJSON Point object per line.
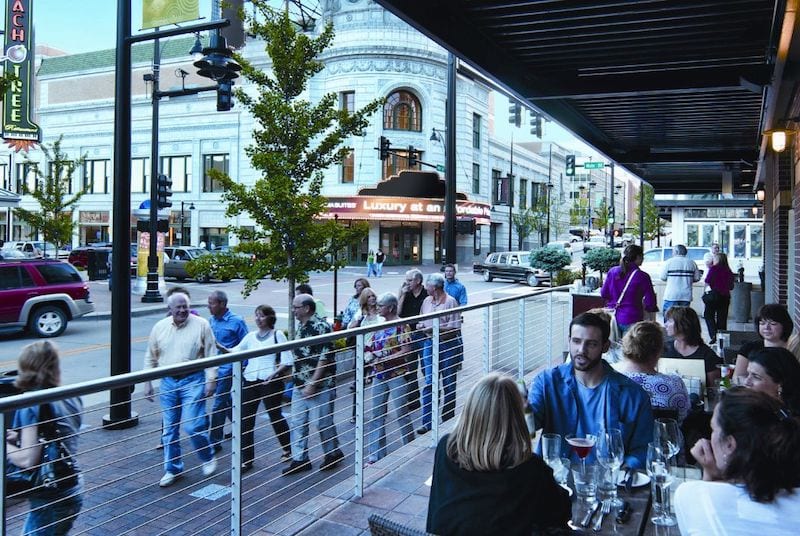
{"type": "Point", "coordinates": [179, 338]}
{"type": "Point", "coordinates": [449, 341]}
{"type": "Point", "coordinates": [680, 273]}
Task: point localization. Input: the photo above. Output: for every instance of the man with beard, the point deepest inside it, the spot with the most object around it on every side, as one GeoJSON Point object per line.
{"type": "Point", "coordinates": [586, 395]}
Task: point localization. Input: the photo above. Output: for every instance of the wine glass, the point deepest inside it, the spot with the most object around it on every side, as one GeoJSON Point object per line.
{"type": "Point", "coordinates": [551, 448]}
{"type": "Point", "coordinates": [658, 468]}
{"type": "Point", "coordinates": [610, 455]}
{"type": "Point", "coordinates": [582, 444]}
{"type": "Point", "coordinates": [667, 433]}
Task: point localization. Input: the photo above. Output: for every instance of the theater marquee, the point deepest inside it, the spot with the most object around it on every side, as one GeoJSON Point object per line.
{"type": "Point", "coordinates": [404, 209]}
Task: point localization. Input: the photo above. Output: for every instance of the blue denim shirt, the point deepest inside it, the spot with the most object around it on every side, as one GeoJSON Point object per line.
{"type": "Point", "coordinates": [554, 400]}
{"type": "Point", "coordinates": [456, 290]}
{"type": "Point", "coordinates": [229, 331]}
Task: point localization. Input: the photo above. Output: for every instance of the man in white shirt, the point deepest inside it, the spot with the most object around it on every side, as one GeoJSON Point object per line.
{"type": "Point", "coordinates": [680, 273]}
{"type": "Point", "coordinates": [179, 338]}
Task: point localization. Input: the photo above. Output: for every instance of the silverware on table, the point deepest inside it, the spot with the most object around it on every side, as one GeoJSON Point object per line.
{"type": "Point", "coordinates": [630, 475]}
{"type": "Point", "coordinates": [587, 519]}
{"type": "Point", "coordinates": [624, 513]}
{"type": "Point", "coordinates": [598, 524]}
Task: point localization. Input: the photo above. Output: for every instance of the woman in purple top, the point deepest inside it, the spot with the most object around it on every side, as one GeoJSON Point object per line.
{"type": "Point", "coordinates": [638, 297]}
{"type": "Point", "coordinates": [719, 280]}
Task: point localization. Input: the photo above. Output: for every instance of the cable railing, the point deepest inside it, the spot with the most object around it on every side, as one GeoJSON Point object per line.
{"type": "Point", "coordinates": [121, 468]}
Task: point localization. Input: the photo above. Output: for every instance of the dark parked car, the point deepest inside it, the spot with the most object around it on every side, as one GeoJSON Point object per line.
{"type": "Point", "coordinates": [176, 259]}
{"type": "Point", "coordinates": [514, 265]}
{"type": "Point", "coordinates": [41, 296]}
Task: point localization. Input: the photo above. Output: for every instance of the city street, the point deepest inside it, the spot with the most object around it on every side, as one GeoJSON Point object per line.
{"type": "Point", "coordinates": [85, 346]}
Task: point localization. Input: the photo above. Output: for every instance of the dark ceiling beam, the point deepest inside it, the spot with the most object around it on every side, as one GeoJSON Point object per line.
{"type": "Point", "coordinates": [643, 157]}
{"type": "Point", "coordinates": [682, 82]}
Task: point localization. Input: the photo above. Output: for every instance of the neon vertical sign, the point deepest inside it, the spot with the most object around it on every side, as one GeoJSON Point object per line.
{"type": "Point", "coordinates": [19, 130]}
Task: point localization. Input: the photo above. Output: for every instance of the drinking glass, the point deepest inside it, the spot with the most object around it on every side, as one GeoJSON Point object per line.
{"type": "Point", "coordinates": [658, 467]}
{"type": "Point", "coordinates": [610, 452]}
{"type": "Point", "coordinates": [667, 433]}
{"type": "Point", "coordinates": [585, 479]}
{"type": "Point", "coordinates": [551, 447]}
{"type": "Point", "coordinates": [582, 444]}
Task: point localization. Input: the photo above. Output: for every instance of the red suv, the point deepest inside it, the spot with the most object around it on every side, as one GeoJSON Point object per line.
{"type": "Point", "coordinates": [41, 296]}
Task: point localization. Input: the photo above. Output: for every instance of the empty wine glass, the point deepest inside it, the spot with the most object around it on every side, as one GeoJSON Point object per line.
{"type": "Point", "coordinates": [667, 433]}
{"type": "Point", "coordinates": [551, 447]}
{"type": "Point", "coordinates": [658, 468]}
{"type": "Point", "coordinates": [610, 451]}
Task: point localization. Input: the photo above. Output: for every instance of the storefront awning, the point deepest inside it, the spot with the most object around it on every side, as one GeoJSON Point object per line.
{"type": "Point", "coordinates": [9, 199]}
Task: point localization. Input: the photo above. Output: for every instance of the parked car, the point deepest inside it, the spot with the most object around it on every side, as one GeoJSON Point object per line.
{"type": "Point", "coordinates": [655, 258]}
{"type": "Point", "coordinates": [596, 241]}
{"type": "Point", "coordinates": [37, 249]}
{"type": "Point", "coordinates": [514, 265]}
{"type": "Point", "coordinates": [177, 257]}
{"type": "Point", "coordinates": [11, 254]}
{"type": "Point", "coordinates": [567, 245]}
{"type": "Point", "coordinates": [41, 295]}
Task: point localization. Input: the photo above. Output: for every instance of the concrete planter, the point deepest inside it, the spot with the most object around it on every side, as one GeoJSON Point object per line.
{"type": "Point", "coordinates": [740, 301]}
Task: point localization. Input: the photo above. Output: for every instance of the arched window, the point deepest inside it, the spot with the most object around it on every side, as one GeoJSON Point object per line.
{"type": "Point", "coordinates": [402, 111]}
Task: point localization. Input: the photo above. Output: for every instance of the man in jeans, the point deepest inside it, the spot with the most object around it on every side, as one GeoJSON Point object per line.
{"type": "Point", "coordinates": [679, 273]}
{"type": "Point", "coordinates": [179, 338]}
{"type": "Point", "coordinates": [410, 299]}
{"type": "Point", "coordinates": [314, 390]}
{"type": "Point", "coordinates": [229, 330]}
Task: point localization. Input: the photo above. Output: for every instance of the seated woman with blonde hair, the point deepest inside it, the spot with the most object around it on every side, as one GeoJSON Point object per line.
{"type": "Point", "coordinates": [486, 479]}
{"type": "Point", "coordinates": [642, 346]}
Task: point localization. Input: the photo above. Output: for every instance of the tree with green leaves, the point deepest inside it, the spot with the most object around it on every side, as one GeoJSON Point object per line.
{"type": "Point", "coordinates": [650, 211]}
{"type": "Point", "coordinates": [51, 191]}
{"type": "Point", "coordinates": [602, 214]}
{"type": "Point", "coordinates": [524, 223]}
{"type": "Point", "coordinates": [550, 259]}
{"type": "Point", "coordinates": [294, 141]}
{"type": "Point", "coordinates": [601, 259]}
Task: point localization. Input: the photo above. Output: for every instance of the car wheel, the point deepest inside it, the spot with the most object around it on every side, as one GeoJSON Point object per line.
{"type": "Point", "coordinates": [487, 276]}
{"type": "Point", "coordinates": [532, 280]}
{"type": "Point", "coordinates": [48, 321]}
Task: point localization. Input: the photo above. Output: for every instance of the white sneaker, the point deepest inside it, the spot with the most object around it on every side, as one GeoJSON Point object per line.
{"type": "Point", "coordinates": [210, 466]}
{"type": "Point", "coordinates": [167, 480]}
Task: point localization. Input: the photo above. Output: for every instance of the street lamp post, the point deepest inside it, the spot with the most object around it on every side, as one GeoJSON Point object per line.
{"type": "Point", "coordinates": [549, 193]}
{"type": "Point", "coordinates": [183, 227]}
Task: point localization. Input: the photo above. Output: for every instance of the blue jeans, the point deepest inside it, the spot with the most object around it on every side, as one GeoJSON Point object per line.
{"type": "Point", "coordinates": [379, 269]}
{"type": "Point", "coordinates": [382, 391]}
{"type": "Point", "coordinates": [53, 514]}
{"type": "Point", "coordinates": [221, 408]}
{"type": "Point", "coordinates": [670, 303]}
{"type": "Point", "coordinates": [448, 351]}
{"type": "Point", "coordinates": [320, 407]}
{"type": "Point", "coordinates": [176, 395]}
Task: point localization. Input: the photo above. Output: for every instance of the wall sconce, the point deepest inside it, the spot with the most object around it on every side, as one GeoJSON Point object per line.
{"type": "Point", "coordinates": [778, 140]}
{"type": "Point", "coordinates": [760, 195]}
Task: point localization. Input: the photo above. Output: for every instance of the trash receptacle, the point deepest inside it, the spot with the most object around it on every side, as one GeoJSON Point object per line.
{"type": "Point", "coordinates": [97, 263]}
{"type": "Point", "coordinates": [740, 301]}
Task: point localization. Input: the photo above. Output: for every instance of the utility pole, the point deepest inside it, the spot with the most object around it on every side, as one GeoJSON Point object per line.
{"type": "Point", "coordinates": [511, 194]}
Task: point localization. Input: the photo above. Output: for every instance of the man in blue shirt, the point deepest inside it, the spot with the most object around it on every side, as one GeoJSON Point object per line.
{"type": "Point", "coordinates": [229, 330]}
{"type": "Point", "coordinates": [453, 286]}
{"type": "Point", "coordinates": [587, 395]}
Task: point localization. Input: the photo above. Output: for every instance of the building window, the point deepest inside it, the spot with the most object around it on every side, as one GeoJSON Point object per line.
{"type": "Point", "coordinates": [476, 178]}
{"type": "Point", "coordinates": [179, 169]}
{"type": "Point", "coordinates": [347, 101]}
{"type": "Point", "coordinates": [64, 170]}
{"type": "Point", "coordinates": [538, 193]}
{"type": "Point", "coordinates": [212, 161]}
{"type": "Point", "coordinates": [95, 176]}
{"type": "Point", "coordinates": [523, 194]}
{"type": "Point", "coordinates": [398, 161]}
{"type": "Point", "coordinates": [140, 175]}
{"type": "Point", "coordinates": [476, 131]}
{"type": "Point", "coordinates": [348, 168]}
{"type": "Point", "coordinates": [402, 111]}
{"type": "Point", "coordinates": [5, 178]}
{"type": "Point", "coordinates": [26, 177]}
{"type": "Point", "coordinates": [495, 186]}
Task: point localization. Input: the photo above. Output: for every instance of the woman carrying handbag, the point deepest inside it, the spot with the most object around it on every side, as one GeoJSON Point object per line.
{"type": "Point", "coordinates": [629, 291]}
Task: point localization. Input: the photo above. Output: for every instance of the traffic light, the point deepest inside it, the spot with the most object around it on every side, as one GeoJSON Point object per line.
{"type": "Point", "coordinates": [536, 124]}
{"type": "Point", "coordinates": [386, 146]}
{"type": "Point", "coordinates": [164, 192]}
{"type": "Point", "coordinates": [224, 95]}
{"type": "Point", "coordinates": [412, 157]}
{"type": "Point", "coordinates": [515, 114]}
{"type": "Point", "coordinates": [570, 166]}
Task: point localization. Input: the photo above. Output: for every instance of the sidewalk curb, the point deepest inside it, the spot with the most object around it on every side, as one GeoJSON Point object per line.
{"type": "Point", "coordinates": [141, 311]}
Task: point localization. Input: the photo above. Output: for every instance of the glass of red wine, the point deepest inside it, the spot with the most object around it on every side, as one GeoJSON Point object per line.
{"type": "Point", "coordinates": [582, 444]}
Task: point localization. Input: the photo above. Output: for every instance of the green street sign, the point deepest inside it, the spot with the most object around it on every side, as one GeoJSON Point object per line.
{"type": "Point", "coordinates": [594, 165]}
{"type": "Point", "coordinates": [440, 168]}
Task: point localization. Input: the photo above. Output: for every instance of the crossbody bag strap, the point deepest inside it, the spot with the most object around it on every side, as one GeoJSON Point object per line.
{"type": "Point", "coordinates": [47, 428]}
{"type": "Point", "coordinates": [630, 278]}
{"type": "Point", "coordinates": [275, 339]}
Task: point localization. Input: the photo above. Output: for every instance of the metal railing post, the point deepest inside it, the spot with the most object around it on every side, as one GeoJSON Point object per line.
{"type": "Point", "coordinates": [236, 448]}
{"type": "Point", "coordinates": [359, 455]}
{"type": "Point", "coordinates": [486, 339]}
{"type": "Point", "coordinates": [435, 373]}
{"type": "Point", "coordinates": [549, 329]}
{"type": "Point", "coordinates": [521, 341]}
{"type": "Point", "coordinates": [3, 453]}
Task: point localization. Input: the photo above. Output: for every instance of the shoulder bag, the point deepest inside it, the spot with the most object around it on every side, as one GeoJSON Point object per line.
{"type": "Point", "coordinates": [616, 333]}
{"type": "Point", "coordinates": [56, 470]}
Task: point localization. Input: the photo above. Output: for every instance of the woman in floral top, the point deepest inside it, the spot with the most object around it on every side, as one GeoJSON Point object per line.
{"type": "Point", "coordinates": [388, 360]}
{"type": "Point", "coordinates": [642, 347]}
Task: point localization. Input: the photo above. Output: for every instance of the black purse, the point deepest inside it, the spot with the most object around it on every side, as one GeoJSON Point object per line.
{"type": "Point", "coordinates": [711, 297]}
{"type": "Point", "coordinates": [57, 469]}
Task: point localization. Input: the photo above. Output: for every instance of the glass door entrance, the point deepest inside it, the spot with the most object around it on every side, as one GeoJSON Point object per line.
{"type": "Point", "coordinates": [401, 242]}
